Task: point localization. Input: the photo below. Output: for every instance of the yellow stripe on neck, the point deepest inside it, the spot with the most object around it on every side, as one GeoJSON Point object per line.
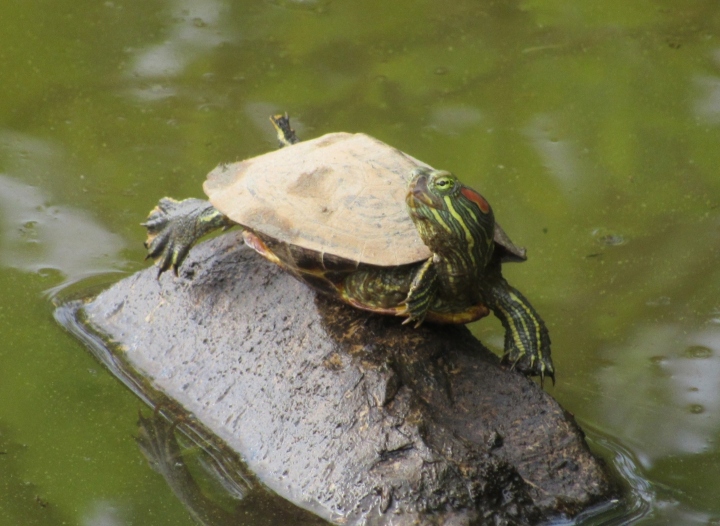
{"type": "Point", "coordinates": [468, 235]}
{"type": "Point", "coordinates": [440, 220]}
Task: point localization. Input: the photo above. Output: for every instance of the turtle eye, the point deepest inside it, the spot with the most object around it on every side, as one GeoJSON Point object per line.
{"type": "Point", "coordinates": [443, 183]}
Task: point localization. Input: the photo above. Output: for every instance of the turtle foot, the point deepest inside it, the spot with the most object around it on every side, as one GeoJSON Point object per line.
{"type": "Point", "coordinates": [286, 135]}
{"type": "Point", "coordinates": [531, 364]}
{"type": "Point", "coordinates": [173, 228]}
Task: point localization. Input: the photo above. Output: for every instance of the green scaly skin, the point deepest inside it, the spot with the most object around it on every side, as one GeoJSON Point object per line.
{"type": "Point", "coordinates": [457, 224]}
{"type": "Point", "coordinates": [527, 341]}
{"type": "Point", "coordinates": [460, 236]}
{"type": "Point", "coordinates": [454, 221]}
{"type": "Point", "coordinates": [175, 226]}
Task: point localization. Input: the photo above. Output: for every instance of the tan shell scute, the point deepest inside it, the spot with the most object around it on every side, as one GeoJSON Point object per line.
{"type": "Point", "coordinates": [340, 194]}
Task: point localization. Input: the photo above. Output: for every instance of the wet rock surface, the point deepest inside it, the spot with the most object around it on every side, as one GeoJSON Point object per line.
{"type": "Point", "coordinates": [350, 415]}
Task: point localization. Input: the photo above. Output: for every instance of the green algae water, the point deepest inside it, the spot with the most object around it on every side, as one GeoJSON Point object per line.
{"type": "Point", "coordinates": [593, 128]}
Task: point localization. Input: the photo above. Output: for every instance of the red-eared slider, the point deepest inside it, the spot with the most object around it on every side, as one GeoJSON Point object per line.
{"type": "Point", "coordinates": [367, 224]}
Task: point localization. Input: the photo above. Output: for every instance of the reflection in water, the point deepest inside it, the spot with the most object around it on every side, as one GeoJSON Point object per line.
{"type": "Point", "coordinates": [156, 439]}
{"type": "Point", "coordinates": [663, 392]}
{"type": "Point", "coordinates": [103, 513]}
{"type": "Point", "coordinates": [36, 236]}
{"type": "Point", "coordinates": [707, 108]}
{"type": "Point", "coordinates": [213, 484]}
{"type": "Point", "coordinates": [559, 157]}
{"type": "Point", "coordinates": [217, 494]}
{"type": "Point", "coordinates": [195, 29]}
{"type": "Point", "coordinates": [454, 120]}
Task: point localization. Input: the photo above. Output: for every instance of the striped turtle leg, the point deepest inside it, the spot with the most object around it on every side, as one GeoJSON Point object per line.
{"type": "Point", "coordinates": [527, 341]}
{"type": "Point", "coordinates": [175, 226]}
{"type": "Point", "coordinates": [422, 294]}
{"type": "Point", "coordinates": [286, 135]}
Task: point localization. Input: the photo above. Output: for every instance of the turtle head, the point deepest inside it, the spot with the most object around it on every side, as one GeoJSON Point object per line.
{"type": "Point", "coordinates": [451, 218]}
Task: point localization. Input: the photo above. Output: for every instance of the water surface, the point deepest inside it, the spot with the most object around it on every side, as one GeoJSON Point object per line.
{"type": "Point", "coordinates": [592, 128]}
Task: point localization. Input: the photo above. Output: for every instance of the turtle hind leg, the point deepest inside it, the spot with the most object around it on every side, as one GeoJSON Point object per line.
{"type": "Point", "coordinates": [173, 227]}
{"type": "Point", "coordinates": [286, 135]}
{"type": "Point", "coordinates": [527, 341]}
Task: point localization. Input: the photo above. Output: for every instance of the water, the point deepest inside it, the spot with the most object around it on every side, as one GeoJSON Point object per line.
{"type": "Point", "coordinates": [592, 128]}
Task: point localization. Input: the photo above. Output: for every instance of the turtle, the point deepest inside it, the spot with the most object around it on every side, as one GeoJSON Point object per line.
{"type": "Point", "coordinates": [368, 224]}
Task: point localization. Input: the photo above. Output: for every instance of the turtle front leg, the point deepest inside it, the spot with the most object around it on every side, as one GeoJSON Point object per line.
{"type": "Point", "coordinates": [175, 226]}
{"type": "Point", "coordinates": [527, 341]}
{"type": "Point", "coordinates": [421, 296]}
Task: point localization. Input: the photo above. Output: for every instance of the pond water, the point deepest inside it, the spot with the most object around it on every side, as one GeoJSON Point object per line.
{"type": "Point", "coordinates": [592, 127]}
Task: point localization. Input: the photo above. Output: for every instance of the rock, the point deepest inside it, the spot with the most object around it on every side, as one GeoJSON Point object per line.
{"type": "Point", "coordinates": [351, 415]}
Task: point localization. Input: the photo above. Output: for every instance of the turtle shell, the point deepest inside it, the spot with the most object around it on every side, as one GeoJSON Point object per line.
{"type": "Point", "coordinates": [341, 194]}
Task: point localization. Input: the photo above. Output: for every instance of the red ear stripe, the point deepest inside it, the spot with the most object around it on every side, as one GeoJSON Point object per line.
{"type": "Point", "coordinates": [476, 198]}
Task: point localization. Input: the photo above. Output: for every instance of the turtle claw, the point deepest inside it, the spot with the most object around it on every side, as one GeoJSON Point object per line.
{"type": "Point", "coordinates": [531, 364]}
{"type": "Point", "coordinates": [164, 241]}
{"type": "Point", "coordinates": [173, 227]}
{"type": "Point", "coordinates": [412, 318]}
{"type": "Point", "coordinates": [413, 313]}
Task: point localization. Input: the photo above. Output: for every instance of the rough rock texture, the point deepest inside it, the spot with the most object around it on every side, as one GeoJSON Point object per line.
{"type": "Point", "coordinates": [351, 415]}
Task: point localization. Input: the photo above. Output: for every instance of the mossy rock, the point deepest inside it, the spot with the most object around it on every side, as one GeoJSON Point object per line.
{"type": "Point", "coordinates": [348, 414]}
